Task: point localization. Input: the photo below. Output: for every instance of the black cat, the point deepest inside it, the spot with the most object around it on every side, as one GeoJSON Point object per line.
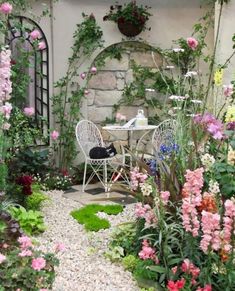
{"type": "Point", "coordinates": [102, 152]}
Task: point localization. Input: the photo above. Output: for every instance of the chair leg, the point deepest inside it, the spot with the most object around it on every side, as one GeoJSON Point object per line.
{"type": "Point", "coordinates": [84, 178]}
{"type": "Point", "coordinates": [106, 179]}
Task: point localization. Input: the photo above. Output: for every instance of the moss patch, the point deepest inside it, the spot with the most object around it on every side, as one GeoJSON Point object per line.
{"type": "Point", "coordinates": [87, 215]}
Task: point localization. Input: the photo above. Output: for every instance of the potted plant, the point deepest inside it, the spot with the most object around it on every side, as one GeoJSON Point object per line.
{"type": "Point", "coordinates": [130, 17]}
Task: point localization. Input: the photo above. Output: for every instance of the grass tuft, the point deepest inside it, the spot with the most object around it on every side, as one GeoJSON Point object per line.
{"type": "Point", "coordinates": [87, 215]}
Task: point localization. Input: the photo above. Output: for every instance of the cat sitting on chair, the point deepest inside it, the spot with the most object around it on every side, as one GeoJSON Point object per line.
{"type": "Point", "coordinates": [102, 152]}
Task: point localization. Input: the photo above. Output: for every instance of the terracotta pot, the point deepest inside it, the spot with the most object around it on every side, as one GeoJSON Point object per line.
{"type": "Point", "coordinates": [129, 29]}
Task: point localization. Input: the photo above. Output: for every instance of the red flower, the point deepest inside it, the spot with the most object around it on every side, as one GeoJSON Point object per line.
{"type": "Point", "coordinates": [176, 286]}
{"type": "Point", "coordinates": [26, 182]}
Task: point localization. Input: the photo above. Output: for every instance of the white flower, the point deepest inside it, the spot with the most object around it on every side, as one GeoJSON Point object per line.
{"type": "Point", "coordinates": [191, 74]}
{"type": "Point", "coordinates": [178, 50]}
{"type": "Point", "coordinates": [196, 101]}
{"type": "Point", "coordinates": [214, 187]}
{"type": "Point", "coordinates": [178, 98]}
{"type": "Point", "coordinates": [170, 67]}
{"type": "Point", "coordinates": [207, 161]}
{"type": "Point", "coordinates": [146, 189]}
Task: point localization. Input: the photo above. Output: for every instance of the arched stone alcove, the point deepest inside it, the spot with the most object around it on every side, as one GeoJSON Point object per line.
{"type": "Point", "coordinates": [106, 88]}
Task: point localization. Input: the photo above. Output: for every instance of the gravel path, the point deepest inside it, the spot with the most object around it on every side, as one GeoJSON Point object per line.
{"type": "Point", "coordinates": [82, 265]}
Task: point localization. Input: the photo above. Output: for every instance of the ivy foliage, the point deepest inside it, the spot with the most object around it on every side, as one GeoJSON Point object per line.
{"type": "Point", "coordinates": [67, 101]}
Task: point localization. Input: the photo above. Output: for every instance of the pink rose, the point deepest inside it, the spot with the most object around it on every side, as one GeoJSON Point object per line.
{"type": "Point", "coordinates": [2, 258]}
{"type": "Point", "coordinates": [93, 70]}
{"type": "Point", "coordinates": [35, 34]}
{"type": "Point", "coordinates": [54, 135]}
{"type": "Point", "coordinates": [192, 43]}
{"type": "Point", "coordinates": [38, 264]}
{"type": "Point", "coordinates": [165, 196]}
{"type": "Point", "coordinates": [83, 75]}
{"type": "Point", "coordinates": [29, 111]}
{"type": "Point", "coordinates": [41, 45]}
{"type": "Point", "coordinates": [6, 126]}
{"type": "Point", "coordinates": [6, 8]}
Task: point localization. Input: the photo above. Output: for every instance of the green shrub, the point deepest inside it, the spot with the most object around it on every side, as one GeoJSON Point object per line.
{"type": "Point", "coordinates": [30, 221]}
{"type": "Point", "coordinates": [35, 200]}
{"type": "Point", "coordinates": [130, 263]}
{"type": "Point", "coordinates": [87, 215]}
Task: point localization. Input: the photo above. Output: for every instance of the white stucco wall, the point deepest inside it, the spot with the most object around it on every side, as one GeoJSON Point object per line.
{"type": "Point", "coordinates": [227, 29]}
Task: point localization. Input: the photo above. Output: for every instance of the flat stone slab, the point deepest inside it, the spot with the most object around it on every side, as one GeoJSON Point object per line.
{"type": "Point", "coordinates": [95, 194]}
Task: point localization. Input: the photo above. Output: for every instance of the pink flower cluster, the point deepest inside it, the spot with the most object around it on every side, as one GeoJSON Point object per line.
{"type": "Point", "coordinates": [210, 124]}
{"type": "Point", "coordinates": [211, 231]}
{"type": "Point", "coordinates": [148, 252]}
{"type": "Point", "coordinates": [176, 286]}
{"type": "Point", "coordinates": [2, 258]}
{"type": "Point", "coordinates": [189, 268]}
{"type": "Point", "coordinates": [228, 90]}
{"type": "Point", "coordinates": [29, 111]}
{"type": "Point", "coordinates": [192, 191]}
{"type": "Point", "coordinates": [228, 224]}
{"type": "Point", "coordinates": [146, 212]}
{"type": "Point", "coordinates": [137, 178]}
{"type": "Point", "coordinates": [25, 242]}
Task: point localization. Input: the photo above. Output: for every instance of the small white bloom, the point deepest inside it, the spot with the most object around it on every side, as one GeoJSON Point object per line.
{"type": "Point", "coordinates": [207, 161]}
{"type": "Point", "coordinates": [196, 101]}
{"type": "Point", "coordinates": [146, 189]}
{"type": "Point", "coordinates": [214, 187]}
{"type": "Point", "coordinates": [190, 74]}
{"type": "Point", "coordinates": [178, 50]}
{"type": "Point", "coordinates": [178, 98]}
{"type": "Point", "coordinates": [170, 67]}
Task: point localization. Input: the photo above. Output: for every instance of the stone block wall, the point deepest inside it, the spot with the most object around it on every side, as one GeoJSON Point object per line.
{"type": "Point", "coordinates": [106, 88]}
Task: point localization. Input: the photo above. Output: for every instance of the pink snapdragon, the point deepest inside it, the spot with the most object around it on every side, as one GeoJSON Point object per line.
{"type": "Point", "coordinates": [189, 268]}
{"type": "Point", "coordinates": [146, 212]}
{"type": "Point", "coordinates": [35, 34]}
{"type": "Point", "coordinates": [7, 108]}
{"type": "Point", "coordinates": [192, 199]}
{"type": "Point", "coordinates": [29, 111]}
{"type": "Point", "coordinates": [38, 264]}
{"type": "Point", "coordinates": [5, 74]}
{"type": "Point", "coordinates": [165, 195]}
{"type": "Point", "coordinates": [41, 45]}
{"type": "Point", "coordinates": [228, 225]}
{"type": "Point", "coordinates": [2, 258]}
{"type": "Point", "coordinates": [211, 231]}
{"type": "Point", "coordinates": [25, 242]}
{"type": "Point", "coordinates": [54, 135]}
{"type": "Point", "coordinates": [25, 253]}
{"type": "Point", "coordinates": [6, 8]}
{"type": "Point", "coordinates": [192, 43]}
{"type": "Point", "coordinates": [136, 178]}
{"type": "Point", "coordinates": [148, 252]}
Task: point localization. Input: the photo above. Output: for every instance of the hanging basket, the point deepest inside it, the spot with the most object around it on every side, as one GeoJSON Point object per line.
{"type": "Point", "coordinates": [129, 29]}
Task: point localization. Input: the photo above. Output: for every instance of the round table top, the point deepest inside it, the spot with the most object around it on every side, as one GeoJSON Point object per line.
{"type": "Point", "coordinates": [130, 128]}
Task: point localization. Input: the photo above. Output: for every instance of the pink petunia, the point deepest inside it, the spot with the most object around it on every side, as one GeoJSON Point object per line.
{"type": "Point", "coordinates": [6, 8]}
{"type": "Point", "coordinates": [29, 111]}
{"type": "Point", "coordinates": [38, 264]}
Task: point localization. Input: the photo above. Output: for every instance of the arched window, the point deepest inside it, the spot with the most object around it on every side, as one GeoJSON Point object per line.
{"type": "Point", "coordinates": [33, 69]}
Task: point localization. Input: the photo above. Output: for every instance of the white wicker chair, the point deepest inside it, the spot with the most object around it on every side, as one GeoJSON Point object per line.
{"type": "Point", "coordinates": [89, 136]}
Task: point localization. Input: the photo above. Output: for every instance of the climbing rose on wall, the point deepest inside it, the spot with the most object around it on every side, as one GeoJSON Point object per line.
{"type": "Point", "coordinates": [6, 8]}
{"type": "Point", "coordinates": [35, 34]}
{"type": "Point", "coordinates": [192, 43]}
{"type": "Point", "coordinates": [54, 135]}
{"type": "Point", "coordinates": [29, 111]}
{"type": "Point", "coordinates": [41, 45]}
